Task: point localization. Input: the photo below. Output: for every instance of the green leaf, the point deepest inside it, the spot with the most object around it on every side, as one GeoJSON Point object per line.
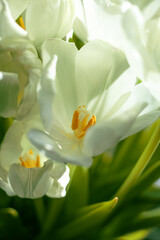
{"type": "Point", "coordinates": [139, 235]}
{"type": "Point", "coordinates": [88, 217]}
{"type": "Point", "coordinates": [122, 222]}
{"type": "Point", "coordinates": [4, 125]}
{"type": "Point", "coordinates": [10, 225]}
{"type": "Point", "coordinates": [148, 178]}
{"type": "Point", "coordinates": [77, 195]}
{"type": "Point", "coordinates": [152, 195]}
{"type": "Point", "coordinates": [77, 41]}
{"type": "Point", "coordinates": [148, 219]}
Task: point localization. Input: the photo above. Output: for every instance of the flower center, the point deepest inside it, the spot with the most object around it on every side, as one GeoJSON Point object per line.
{"type": "Point", "coordinates": [81, 121]}
{"type": "Point", "coordinates": [21, 22]}
{"type": "Point", "coordinates": [29, 160]}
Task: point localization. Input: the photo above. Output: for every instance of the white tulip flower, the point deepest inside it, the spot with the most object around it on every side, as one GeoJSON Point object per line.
{"type": "Point", "coordinates": [149, 8]}
{"type": "Point", "coordinates": [27, 173]}
{"type": "Point", "coordinates": [102, 19]}
{"type": "Point", "coordinates": [143, 49]}
{"type": "Point", "coordinates": [20, 70]}
{"type": "Point", "coordinates": [49, 18]}
{"type": "Point", "coordinates": [8, 26]}
{"type": "Point", "coordinates": [123, 25]}
{"type": "Point", "coordinates": [98, 19]}
{"type": "Point", "coordinates": [40, 20]}
{"type": "Point", "coordinates": [17, 7]}
{"type": "Point", "coordinates": [88, 101]}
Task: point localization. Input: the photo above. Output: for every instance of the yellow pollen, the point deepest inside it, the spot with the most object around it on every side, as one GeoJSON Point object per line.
{"type": "Point", "coordinates": [80, 122]}
{"type": "Point", "coordinates": [30, 161]}
{"type": "Point", "coordinates": [21, 22]}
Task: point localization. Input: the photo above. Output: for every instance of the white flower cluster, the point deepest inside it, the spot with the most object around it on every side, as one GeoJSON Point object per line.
{"type": "Point", "coordinates": [69, 105]}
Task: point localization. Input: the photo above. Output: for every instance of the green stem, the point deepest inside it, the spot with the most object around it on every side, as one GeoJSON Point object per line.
{"type": "Point", "coordinates": [53, 211]}
{"type": "Point", "coordinates": [52, 214]}
{"type": "Point", "coordinates": [40, 210]}
{"type": "Point", "coordinates": [141, 163]}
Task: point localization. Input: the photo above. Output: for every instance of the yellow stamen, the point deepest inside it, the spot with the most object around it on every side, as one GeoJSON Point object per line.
{"type": "Point", "coordinates": [75, 120]}
{"type": "Point", "coordinates": [21, 22]}
{"type": "Point", "coordinates": [80, 122]}
{"type": "Point", "coordinates": [30, 161]}
{"type": "Point", "coordinates": [91, 122]}
{"type": "Point", "coordinates": [38, 163]}
{"type": "Point", "coordinates": [30, 151]}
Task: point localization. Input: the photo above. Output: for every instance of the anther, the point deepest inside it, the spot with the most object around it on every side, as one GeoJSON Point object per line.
{"type": "Point", "coordinates": [21, 22]}
{"type": "Point", "coordinates": [29, 160]}
{"type": "Point", "coordinates": [80, 122]}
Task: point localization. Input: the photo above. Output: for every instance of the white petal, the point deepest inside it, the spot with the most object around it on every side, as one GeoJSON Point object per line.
{"type": "Point", "coordinates": [56, 190]}
{"type": "Point", "coordinates": [68, 11]}
{"type": "Point", "coordinates": [3, 172]}
{"type": "Point", "coordinates": [48, 15]}
{"type": "Point", "coordinates": [153, 84]}
{"type": "Point", "coordinates": [9, 88]}
{"type": "Point", "coordinates": [118, 92]}
{"type": "Point", "coordinates": [64, 179]}
{"type": "Point", "coordinates": [61, 179]}
{"type": "Point", "coordinates": [135, 48]}
{"type": "Point", "coordinates": [46, 92]}
{"type": "Point", "coordinates": [11, 148]}
{"type": "Point", "coordinates": [53, 150]}
{"type": "Point", "coordinates": [79, 24]}
{"type": "Point", "coordinates": [8, 27]}
{"type": "Point", "coordinates": [60, 48]}
{"type": "Point", "coordinates": [153, 47]}
{"type": "Point", "coordinates": [100, 20]}
{"type": "Point", "coordinates": [151, 10]}
{"type": "Point", "coordinates": [7, 188]}
{"type": "Point", "coordinates": [20, 56]}
{"type": "Point", "coordinates": [58, 170]}
{"type": "Point", "coordinates": [30, 96]}
{"type": "Point", "coordinates": [97, 67]}
{"type": "Point", "coordinates": [133, 23]}
{"type": "Point", "coordinates": [80, 29]}
{"type": "Point", "coordinates": [104, 135]}
{"type": "Point", "coordinates": [17, 7]}
{"type": "Point", "coordinates": [138, 96]}
{"type": "Point", "coordinates": [149, 115]}
{"type": "Point", "coordinates": [30, 182]}
{"type": "Point", "coordinates": [22, 51]}
{"type": "Point", "coordinates": [143, 121]}
{"type": "Point", "coordinates": [58, 81]}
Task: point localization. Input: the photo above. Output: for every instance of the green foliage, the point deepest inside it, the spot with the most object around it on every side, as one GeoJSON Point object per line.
{"type": "Point", "coordinates": [77, 41]}
{"type": "Point", "coordinates": [4, 125]}
{"type": "Point", "coordinates": [91, 209]}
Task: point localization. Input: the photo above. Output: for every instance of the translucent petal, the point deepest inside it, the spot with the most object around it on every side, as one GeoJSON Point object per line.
{"type": "Point", "coordinates": [105, 134]}
{"type": "Point", "coordinates": [58, 83]}
{"type": "Point", "coordinates": [30, 96]}
{"type": "Point", "coordinates": [17, 7]}
{"type": "Point", "coordinates": [12, 142]}
{"type": "Point", "coordinates": [7, 188]}
{"type": "Point", "coordinates": [97, 66]}
{"type": "Point", "coordinates": [8, 26]}
{"type": "Point", "coordinates": [53, 150]}
{"type": "Point", "coordinates": [48, 14]}
{"type": "Point", "coordinates": [30, 182]}
{"type": "Point", "coordinates": [100, 20]}
{"type": "Point", "coordinates": [58, 188]}
{"type": "Point", "coordinates": [9, 88]}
